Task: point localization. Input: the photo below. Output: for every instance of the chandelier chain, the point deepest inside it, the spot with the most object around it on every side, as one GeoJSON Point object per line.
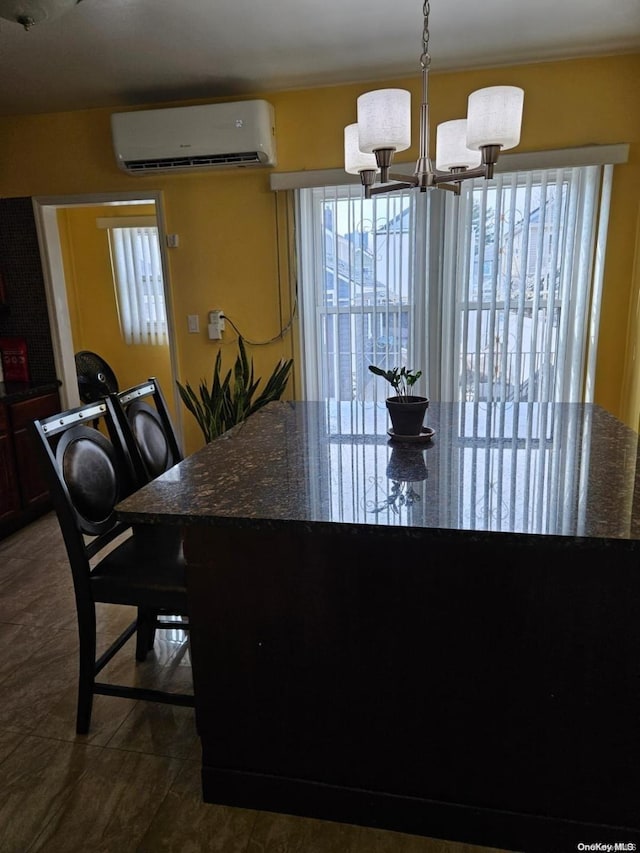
{"type": "Point", "coordinates": [425, 58]}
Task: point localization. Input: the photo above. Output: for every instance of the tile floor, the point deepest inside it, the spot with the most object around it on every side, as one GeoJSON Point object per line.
{"type": "Point", "coordinates": [133, 783]}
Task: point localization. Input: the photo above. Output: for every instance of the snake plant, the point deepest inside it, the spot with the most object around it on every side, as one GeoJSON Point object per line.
{"type": "Point", "coordinates": [232, 399]}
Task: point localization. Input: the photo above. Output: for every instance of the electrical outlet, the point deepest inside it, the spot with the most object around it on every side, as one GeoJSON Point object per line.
{"type": "Point", "coordinates": [216, 325]}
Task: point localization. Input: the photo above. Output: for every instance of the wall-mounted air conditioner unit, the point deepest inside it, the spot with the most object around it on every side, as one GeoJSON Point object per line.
{"type": "Point", "coordinates": [210, 136]}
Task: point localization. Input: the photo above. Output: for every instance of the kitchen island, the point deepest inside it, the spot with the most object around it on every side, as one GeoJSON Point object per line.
{"type": "Point", "coordinates": [440, 638]}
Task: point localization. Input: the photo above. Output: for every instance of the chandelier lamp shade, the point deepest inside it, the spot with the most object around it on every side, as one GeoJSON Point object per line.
{"type": "Point", "coordinates": [465, 148]}
{"type": "Point", "coordinates": [30, 12]}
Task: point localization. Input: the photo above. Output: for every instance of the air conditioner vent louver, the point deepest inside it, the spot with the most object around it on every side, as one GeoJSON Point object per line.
{"type": "Point", "coordinates": [201, 137]}
{"type": "Point", "coordinates": [193, 162]}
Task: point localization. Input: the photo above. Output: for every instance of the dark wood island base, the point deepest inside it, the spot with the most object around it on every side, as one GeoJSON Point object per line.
{"type": "Point", "coordinates": [464, 691]}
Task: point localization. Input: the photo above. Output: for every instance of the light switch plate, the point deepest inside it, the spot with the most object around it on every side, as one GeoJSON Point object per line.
{"type": "Point", "coordinates": [193, 322]}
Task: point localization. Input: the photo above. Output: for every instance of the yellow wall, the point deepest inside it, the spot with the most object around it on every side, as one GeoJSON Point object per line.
{"type": "Point", "coordinates": [92, 300]}
{"type": "Point", "coordinates": [226, 221]}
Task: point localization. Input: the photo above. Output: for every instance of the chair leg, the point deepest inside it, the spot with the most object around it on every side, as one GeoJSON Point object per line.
{"type": "Point", "coordinates": [146, 632]}
{"type": "Point", "coordinates": [87, 662]}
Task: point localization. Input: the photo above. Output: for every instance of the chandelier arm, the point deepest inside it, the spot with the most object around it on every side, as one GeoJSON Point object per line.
{"type": "Point", "coordinates": [440, 178]}
{"type": "Point", "coordinates": [388, 188]}
{"type": "Point", "coordinates": [410, 179]}
{"type": "Point", "coordinates": [454, 188]}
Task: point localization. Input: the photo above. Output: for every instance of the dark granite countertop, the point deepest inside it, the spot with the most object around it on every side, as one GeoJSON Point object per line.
{"type": "Point", "coordinates": [562, 470]}
{"type": "Point", "coordinates": [13, 392]}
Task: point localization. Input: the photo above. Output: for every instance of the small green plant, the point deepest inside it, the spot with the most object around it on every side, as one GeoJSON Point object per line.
{"type": "Point", "coordinates": [231, 400]}
{"type": "Point", "coordinates": [401, 379]}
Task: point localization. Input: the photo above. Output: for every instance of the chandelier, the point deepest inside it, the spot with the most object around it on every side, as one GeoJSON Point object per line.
{"type": "Point", "coordinates": [465, 148]}
{"type": "Point", "coordinates": [30, 12]}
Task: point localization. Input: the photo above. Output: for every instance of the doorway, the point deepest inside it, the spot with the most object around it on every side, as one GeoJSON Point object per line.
{"type": "Point", "coordinates": [46, 211]}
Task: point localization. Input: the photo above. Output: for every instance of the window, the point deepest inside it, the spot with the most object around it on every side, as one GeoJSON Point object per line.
{"type": "Point", "coordinates": [523, 304]}
{"type": "Point", "coordinates": [357, 293]}
{"type": "Point", "coordinates": [494, 294]}
{"type": "Point", "coordinates": [137, 272]}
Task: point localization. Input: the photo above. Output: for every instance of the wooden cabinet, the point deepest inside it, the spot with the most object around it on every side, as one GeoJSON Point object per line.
{"type": "Point", "coordinates": [33, 488]}
{"type": "Point", "coordinates": [23, 491]}
{"type": "Point", "coordinates": [9, 493]}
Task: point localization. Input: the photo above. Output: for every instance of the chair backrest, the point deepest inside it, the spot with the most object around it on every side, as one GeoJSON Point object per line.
{"type": "Point", "coordinates": [146, 425]}
{"type": "Point", "coordinates": [88, 469]}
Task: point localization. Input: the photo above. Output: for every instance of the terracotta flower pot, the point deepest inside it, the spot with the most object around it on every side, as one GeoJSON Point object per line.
{"type": "Point", "coordinates": [407, 414]}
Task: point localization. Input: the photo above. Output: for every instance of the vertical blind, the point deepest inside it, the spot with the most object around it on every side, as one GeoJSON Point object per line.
{"type": "Point", "coordinates": [137, 272]}
{"type": "Point", "coordinates": [494, 294]}
{"type": "Point", "coordinates": [525, 287]}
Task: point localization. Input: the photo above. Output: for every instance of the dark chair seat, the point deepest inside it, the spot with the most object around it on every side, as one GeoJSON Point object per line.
{"type": "Point", "coordinates": [150, 567]}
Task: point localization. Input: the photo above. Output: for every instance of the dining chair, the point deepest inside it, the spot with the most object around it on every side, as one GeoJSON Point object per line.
{"type": "Point", "coordinates": [148, 431]}
{"type": "Point", "coordinates": [88, 469]}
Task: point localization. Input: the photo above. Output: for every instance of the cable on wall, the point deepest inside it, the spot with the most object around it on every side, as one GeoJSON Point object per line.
{"type": "Point", "coordinates": [287, 327]}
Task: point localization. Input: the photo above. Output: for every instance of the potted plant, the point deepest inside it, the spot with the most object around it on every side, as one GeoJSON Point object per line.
{"type": "Point", "coordinates": [406, 410]}
{"type": "Point", "coordinates": [231, 400]}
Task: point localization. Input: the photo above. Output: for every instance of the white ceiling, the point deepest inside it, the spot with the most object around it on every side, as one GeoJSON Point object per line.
{"type": "Point", "coordinates": [121, 52]}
